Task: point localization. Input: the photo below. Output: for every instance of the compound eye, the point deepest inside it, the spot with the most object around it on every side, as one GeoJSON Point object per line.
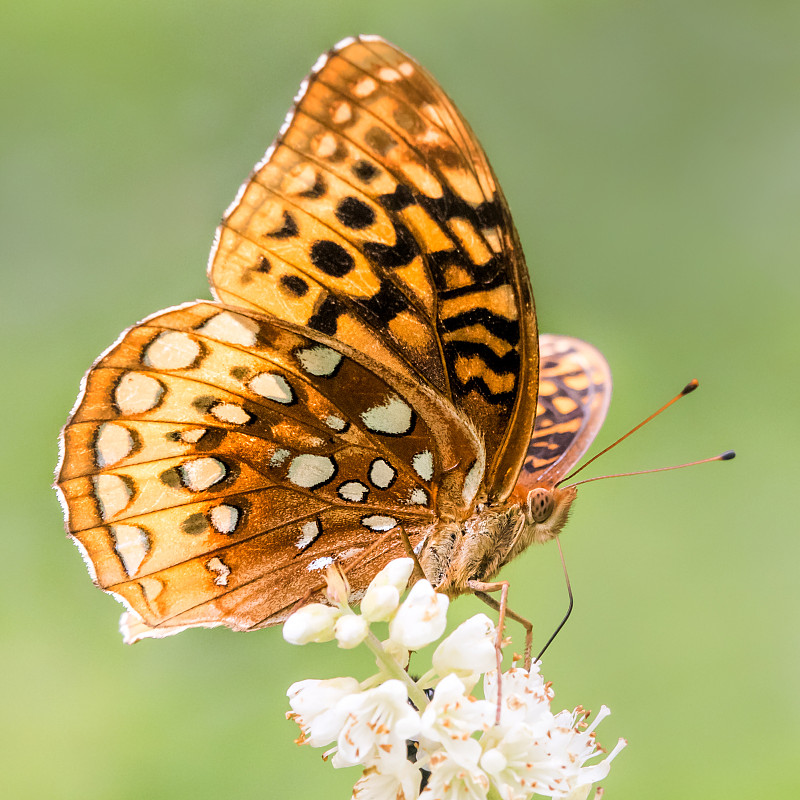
{"type": "Point", "coordinates": [540, 504]}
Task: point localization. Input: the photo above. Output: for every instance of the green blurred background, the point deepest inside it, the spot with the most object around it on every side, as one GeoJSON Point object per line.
{"type": "Point", "coordinates": [651, 155]}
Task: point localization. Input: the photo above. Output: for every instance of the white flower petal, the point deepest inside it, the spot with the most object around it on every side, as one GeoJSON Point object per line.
{"type": "Point", "coordinates": [380, 603]}
{"type": "Point", "coordinates": [493, 761]}
{"type": "Point", "coordinates": [452, 780]}
{"type": "Point", "coordinates": [350, 630]}
{"type": "Point", "coordinates": [421, 618]}
{"type": "Point", "coordinates": [315, 707]}
{"type": "Point", "coordinates": [381, 783]}
{"type": "Point", "coordinates": [452, 717]}
{"type": "Point", "coordinates": [545, 759]}
{"type": "Point", "coordinates": [469, 649]}
{"type": "Point", "coordinates": [396, 573]}
{"type": "Point", "coordinates": [581, 793]}
{"type": "Point", "coordinates": [378, 723]}
{"type": "Point", "coordinates": [525, 698]}
{"type": "Point", "coordinates": [311, 623]}
{"type": "Point", "coordinates": [509, 765]}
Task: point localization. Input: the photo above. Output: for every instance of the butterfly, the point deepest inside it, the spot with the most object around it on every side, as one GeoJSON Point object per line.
{"type": "Point", "coordinates": [368, 371]}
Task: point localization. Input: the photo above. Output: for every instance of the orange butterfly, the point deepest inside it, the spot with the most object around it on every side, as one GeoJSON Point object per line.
{"type": "Point", "coordinates": [370, 366]}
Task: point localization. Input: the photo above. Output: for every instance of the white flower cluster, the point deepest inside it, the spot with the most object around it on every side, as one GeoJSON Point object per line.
{"type": "Point", "coordinates": [463, 753]}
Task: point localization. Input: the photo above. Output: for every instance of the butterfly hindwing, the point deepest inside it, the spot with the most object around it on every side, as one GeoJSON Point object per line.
{"type": "Point", "coordinates": [217, 461]}
{"type": "Point", "coordinates": [574, 395]}
{"type": "Point", "coordinates": [375, 219]}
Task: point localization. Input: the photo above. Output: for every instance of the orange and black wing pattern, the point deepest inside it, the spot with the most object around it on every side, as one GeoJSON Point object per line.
{"type": "Point", "coordinates": [375, 218]}
{"type": "Point", "coordinates": [574, 395]}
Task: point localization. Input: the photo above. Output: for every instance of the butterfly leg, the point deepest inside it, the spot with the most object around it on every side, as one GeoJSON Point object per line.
{"type": "Point", "coordinates": [479, 587]}
{"type": "Point", "coordinates": [526, 623]}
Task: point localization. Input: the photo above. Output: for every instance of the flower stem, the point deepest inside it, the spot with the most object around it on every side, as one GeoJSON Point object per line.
{"type": "Point", "coordinates": [415, 694]}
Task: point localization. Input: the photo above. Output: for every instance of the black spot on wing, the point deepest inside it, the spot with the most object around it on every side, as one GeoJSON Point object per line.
{"type": "Point", "coordinates": [288, 230]}
{"type": "Point", "coordinates": [204, 402]}
{"type": "Point", "coordinates": [502, 365]}
{"type": "Point", "coordinates": [195, 524]}
{"type": "Point", "coordinates": [504, 329]}
{"type": "Point", "coordinates": [546, 449]}
{"type": "Point", "coordinates": [402, 197]}
{"type": "Point", "coordinates": [354, 213]}
{"type": "Point", "coordinates": [388, 302]}
{"type": "Point", "coordinates": [340, 153]}
{"type": "Point", "coordinates": [487, 214]}
{"type": "Point", "coordinates": [380, 140]}
{"type": "Point", "coordinates": [365, 171]}
{"type": "Point", "coordinates": [212, 438]}
{"type": "Point", "coordinates": [326, 315]}
{"type": "Point", "coordinates": [317, 190]}
{"type": "Point", "coordinates": [494, 272]}
{"type": "Point", "coordinates": [408, 120]}
{"type": "Point", "coordinates": [171, 477]}
{"type": "Point", "coordinates": [294, 285]}
{"type": "Point", "coordinates": [331, 258]}
{"type": "Point", "coordinates": [477, 384]}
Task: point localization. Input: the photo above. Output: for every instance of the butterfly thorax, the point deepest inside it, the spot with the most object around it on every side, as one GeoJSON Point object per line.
{"type": "Point", "coordinates": [456, 553]}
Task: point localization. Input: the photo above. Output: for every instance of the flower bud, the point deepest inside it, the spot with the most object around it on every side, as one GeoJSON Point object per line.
{"type": "Point", "coordinates": [311, 623]}
{"type": "Point", "coordinates": [396, 573]}
{"type": "Point", "coordinates": [469, 649]}
{"type": "Point", "coordinates": [422, 617]}
{"type": "Point", "coordinates": [338, 591]}
{"type": "Point", "coordinates": [397, 652]}
{"type": "Point", "coordinates": [380, 602]}
{"type": "Point", "coordinates": [350, 630]}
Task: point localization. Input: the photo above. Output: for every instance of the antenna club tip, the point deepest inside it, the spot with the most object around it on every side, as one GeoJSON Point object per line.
{"type": "Point", "coordinates": [727, 455]}
{"type": "Point", "coordinates": [691, 386]}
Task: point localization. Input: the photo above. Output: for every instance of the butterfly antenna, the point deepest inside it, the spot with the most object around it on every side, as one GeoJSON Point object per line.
{"type": "Point", "coordinates": [569, 607]}
{"type": "Point", "coordinates": [688, 389]}
{"type": "Point", "coordinates": [726, 456]}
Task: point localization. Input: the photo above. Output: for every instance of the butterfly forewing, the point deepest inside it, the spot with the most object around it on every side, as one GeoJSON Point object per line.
{"type": "Point", "coordinates": [376, 219]}
{"type": "Point", "coordinates": [218, 461]}
{"type": "Point", "coordinates": [574, 395]}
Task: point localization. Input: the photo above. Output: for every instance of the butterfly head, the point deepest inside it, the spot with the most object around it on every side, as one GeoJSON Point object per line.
{"type": "Point", "coordinates": [545, 510]}
{"type": "Point", "coordinates": [540, 504]}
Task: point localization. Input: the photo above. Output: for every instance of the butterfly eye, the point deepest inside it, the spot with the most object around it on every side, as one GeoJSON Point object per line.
{"type": "Point", "coordinates": [540, 504]}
